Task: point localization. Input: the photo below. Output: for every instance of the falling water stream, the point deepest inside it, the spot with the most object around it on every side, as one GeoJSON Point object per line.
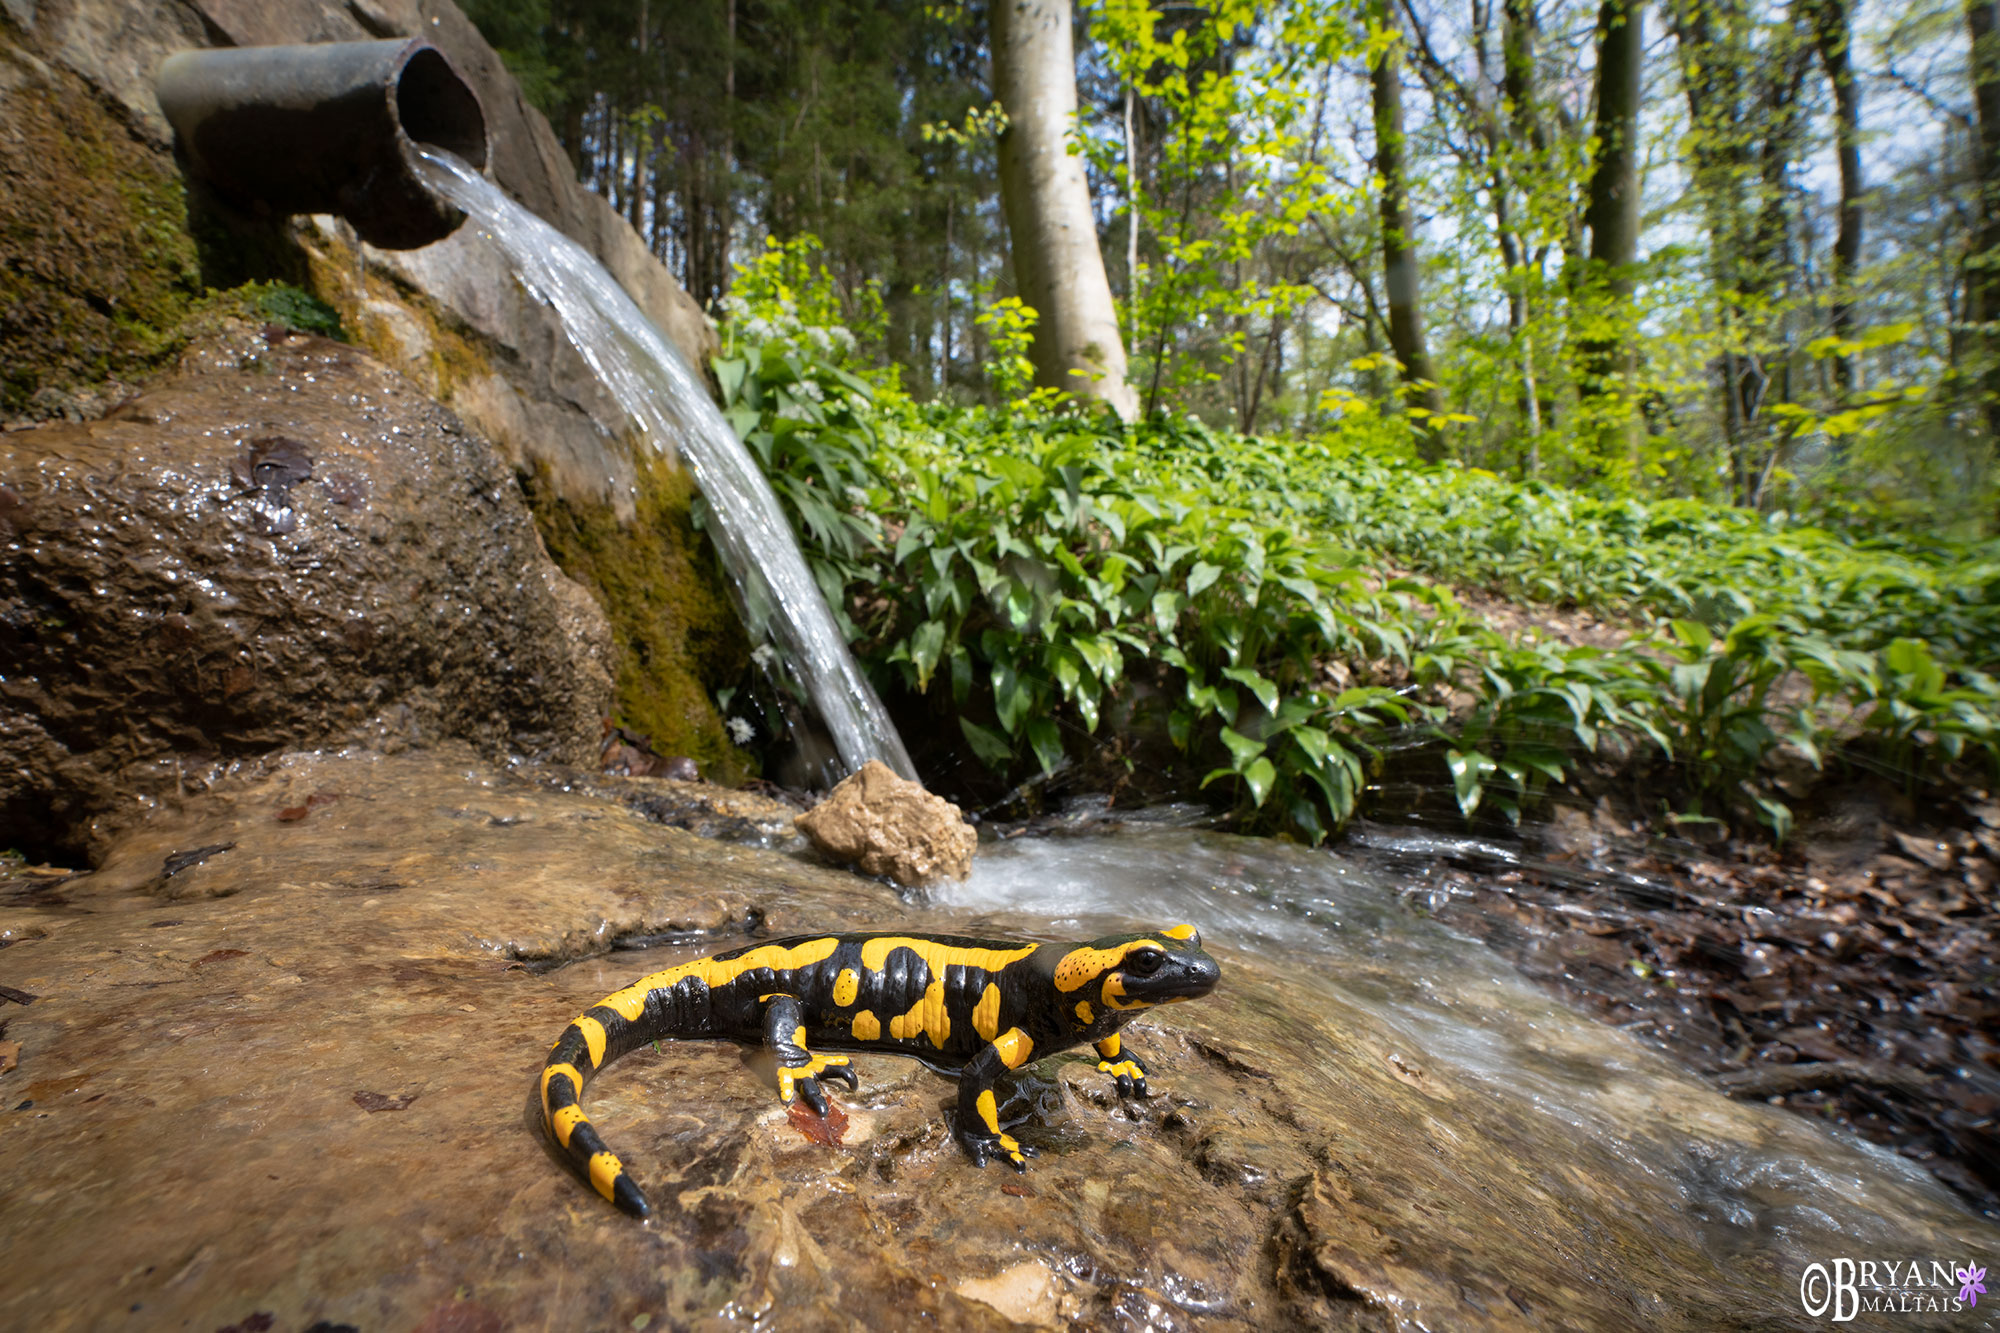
{"type": "Point", "coordinates": [653, 384]}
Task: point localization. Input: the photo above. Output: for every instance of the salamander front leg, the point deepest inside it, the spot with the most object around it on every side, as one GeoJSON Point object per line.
{"type": "Point", "coordinates": [799, 1070]}
{"type": "Point", "coordinates": [979, 1107]}
{"type": "Point", "coordinates": [1122, 1065]}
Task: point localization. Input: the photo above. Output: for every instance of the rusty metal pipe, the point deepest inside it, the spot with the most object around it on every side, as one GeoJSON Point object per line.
{"type": "Point", "coordinates": [325, 129]}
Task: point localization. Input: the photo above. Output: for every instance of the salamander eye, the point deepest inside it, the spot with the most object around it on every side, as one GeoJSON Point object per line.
{"type": "Point", "coordinates": [1142, 962]}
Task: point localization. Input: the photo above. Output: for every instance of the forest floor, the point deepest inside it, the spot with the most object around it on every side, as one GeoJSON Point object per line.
{"type": "Point", "coordinates": [1851, 974]}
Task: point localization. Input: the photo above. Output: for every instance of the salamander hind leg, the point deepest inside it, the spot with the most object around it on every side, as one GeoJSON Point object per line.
{"type": "Point", "coordinates": [979, 1131]}
{"type": "Point", "coordinates": [799, 1070]}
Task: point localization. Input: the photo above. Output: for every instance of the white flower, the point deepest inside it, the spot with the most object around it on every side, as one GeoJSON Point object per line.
{"type": "Point", "coordinates": [764, 656]}
{"type": "Point", "coordinates": [740, 731]}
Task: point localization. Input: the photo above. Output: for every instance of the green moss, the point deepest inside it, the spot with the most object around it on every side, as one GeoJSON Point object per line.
{"type": "Point", "coordinates": [97, 265]}
{"type": "Point", "coordinates": [282, 303]}
{"type": "Point", "coordinates": [657, 579]}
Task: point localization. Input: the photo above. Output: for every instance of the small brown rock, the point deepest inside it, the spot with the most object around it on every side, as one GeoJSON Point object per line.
{"type": "Point", "coordinates": [886, 825]}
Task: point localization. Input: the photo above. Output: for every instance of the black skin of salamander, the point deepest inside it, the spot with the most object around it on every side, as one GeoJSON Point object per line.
{"type": "Point", "coordinates": [1121, 976]}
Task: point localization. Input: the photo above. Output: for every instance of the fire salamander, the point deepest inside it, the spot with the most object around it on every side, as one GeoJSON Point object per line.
{"type": "Point", "coordinates": [971, 1009]}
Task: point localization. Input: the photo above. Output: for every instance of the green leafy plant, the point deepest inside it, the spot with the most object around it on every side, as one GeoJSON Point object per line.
{"type": "Point", "coordinates": [1049, 569]}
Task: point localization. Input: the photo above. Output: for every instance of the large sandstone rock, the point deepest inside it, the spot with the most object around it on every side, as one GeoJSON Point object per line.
{"type": "Point", "coordinates": [283, 544]}
{"type": "Point", "coordinates": [536, 399]}
{"type": "Point", "coordinates": [117, 47]}
{"type": "Point", "coordinates": [886, 825]}
{"type": "Point", "coordinates": [292, 1081]}
{"type": "Point", "coordinates": [103, 255]}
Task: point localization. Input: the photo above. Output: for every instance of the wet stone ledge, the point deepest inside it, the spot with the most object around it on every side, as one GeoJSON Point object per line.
{"type": "Point", "coordinates": [283, 543]}
{"type": "Point", "coordinates": [292, 1081]}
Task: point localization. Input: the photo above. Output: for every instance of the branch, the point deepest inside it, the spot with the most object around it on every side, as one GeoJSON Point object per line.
{"type": "Point", "coordinates": [1819, 1075]}
{"type": "Point", "coordinates": [1897, 78]}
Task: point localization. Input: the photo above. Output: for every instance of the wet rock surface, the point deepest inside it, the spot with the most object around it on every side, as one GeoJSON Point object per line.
{"type": "Point", "coordinates": [281, 544]}
{"type": "Point", "coordinates": [887, 825]}
{"type": "Point", "coordinates": [277, 1056]}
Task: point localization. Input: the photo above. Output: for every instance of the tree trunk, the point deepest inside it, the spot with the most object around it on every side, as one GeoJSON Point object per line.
{"type": "Point", "coordinates": [1834, 31]}
{"type": "Point", "coordinates": [1524, 115]}
{"type": "Point", "coordinates": [1612, 215]}
{"type": "Point", "coordinates": [1983, 266]}
{"type": "Point", "coordinates": [1058, 267]}
{"type": "Point", "coordinates": [1400, 277]}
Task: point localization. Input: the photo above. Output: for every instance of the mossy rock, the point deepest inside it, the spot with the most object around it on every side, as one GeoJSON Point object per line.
{"type": "Point", "coordinates": [661, 586]}
{"type": "Point", "coordinates": [109, 262]}
{"type": "Point", "coordinates": [98, 268]}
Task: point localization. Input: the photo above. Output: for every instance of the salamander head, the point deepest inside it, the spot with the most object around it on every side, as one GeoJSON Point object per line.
{"type": "Point", "coordinates": [1136, 971]}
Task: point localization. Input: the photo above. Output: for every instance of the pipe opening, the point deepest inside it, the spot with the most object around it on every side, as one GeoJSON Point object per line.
{"type": "Point", "coordinates": [325, 128]}
{"type": "Point", "coordinates": [435, 107]}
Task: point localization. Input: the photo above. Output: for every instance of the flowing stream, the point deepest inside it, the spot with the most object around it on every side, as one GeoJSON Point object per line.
{"type": "Point", "coordinates": [1735, 1199]}
{"type": "Point", "coordinates": [650, 380]}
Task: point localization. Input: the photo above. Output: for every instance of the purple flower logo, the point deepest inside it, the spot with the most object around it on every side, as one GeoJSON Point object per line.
{"type": "Point", "coordinates": [1972, 1282]}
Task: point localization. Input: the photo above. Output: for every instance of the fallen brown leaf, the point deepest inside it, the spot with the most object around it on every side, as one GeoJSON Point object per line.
{"type": "Point", "coordinates": [826, 1129]}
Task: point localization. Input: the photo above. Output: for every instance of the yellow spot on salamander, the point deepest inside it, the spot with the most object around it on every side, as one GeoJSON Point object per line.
{"type": "Point", "coordinates": [1182, 933]}
{"type": "Point", "coordinates": [1080, 967]}
{"type": "Point", "coordinates": [593, 1037]}
{"type": "Point", "coordinates": [566, 1120]}
{"type": "Point", "coordinates": [549, 1074]}
{"type": "Point", "coordinates": [1114, 995]}
{"type": "Point", "coordinates": [1015, 1046]}
{"type": "Point", "coordinates": [605, 1169]}
{"type": "Point", "coordinates": [937, 956]}
{"type": "Point", "coordinates": [867, 1027]}
{"type": "Point", "coordinates": [718, 972]}
{"type": "Point", "coordinates": [1084, 1013]}
{"type": "Point", "coordinates": [986, 1014]}
{"type": "Point", "coordinates": [1111, 1047]}
{"type": "Point", "coordinates": [799, 1036]}
{"type": "Point", "coordinates": [927, 1015]}
{"type": "Point", "coordinates": [846, 986]}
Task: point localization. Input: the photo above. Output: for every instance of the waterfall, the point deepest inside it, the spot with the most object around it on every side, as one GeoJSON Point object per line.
{"type": "Point", "coordinates": [650, 380]}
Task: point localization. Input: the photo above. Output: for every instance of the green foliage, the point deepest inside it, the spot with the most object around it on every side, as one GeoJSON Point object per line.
{"type": "Point", "coordinates": [1667, 558]}
{"type": "Point", "coordinates": [1010, 332]}
{"type": "Point", "coordinates": [785, 296]}
{"type": "Point", "coordinates": [1231, 180]}
{"type": "Point", "coordinates": [1051, 570]}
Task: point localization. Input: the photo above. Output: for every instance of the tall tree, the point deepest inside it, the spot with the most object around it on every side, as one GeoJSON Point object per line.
{"type": "Point", "coordinates": [1983, 265]}
{"type": "Point", "coordinates": [1401, 279]}
{"type": "Point", "coordinates": [1612, 214]}
{"type": "Point", "coordinates": [1745, 133]}
{"type": "Point", "coordinates": [1522, 101]}
{"type": "Point", "coordinates": [1833, 33]}
{"type": "Point", "coordinates": [1058, 267]}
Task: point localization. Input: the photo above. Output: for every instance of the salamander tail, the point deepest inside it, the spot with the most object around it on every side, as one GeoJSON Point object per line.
{"type": "Point", "coordinates": [577, 1055]}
